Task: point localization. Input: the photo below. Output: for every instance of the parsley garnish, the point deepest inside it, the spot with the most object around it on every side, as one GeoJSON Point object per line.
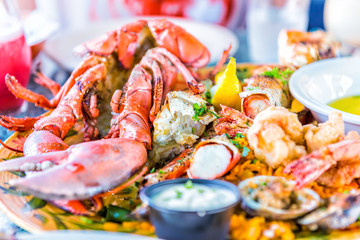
{"type": "Point", "coordinates": [178, 194]}
{"type": "Point", "coordinates": [281, 75]}
{"type": "Point", "coordinates": [264, 183]}
{"type": "Point", "coordinates": [188, 184]}
{"type": "Point", "coordinates": [245, 150]}
{"type": "Point", "coordinates": [200, 111]}
{"type": "Point", "coordinates": [207, 96]}
{"type": "Point", "coordinates": [252, 88]}
{"type": "Point", "coordinates": [239, 135]}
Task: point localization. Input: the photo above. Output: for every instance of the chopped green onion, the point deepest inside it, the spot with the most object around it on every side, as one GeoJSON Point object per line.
{"type": "Point", "coordinates": [188, 184]}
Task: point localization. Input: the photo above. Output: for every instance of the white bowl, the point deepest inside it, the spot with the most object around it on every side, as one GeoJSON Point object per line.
{"type": "Point", "coordinates": [317, 84]}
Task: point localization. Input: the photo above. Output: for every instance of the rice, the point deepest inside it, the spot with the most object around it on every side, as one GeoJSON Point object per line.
{"type": "Point", "coordinates": [256, 228]}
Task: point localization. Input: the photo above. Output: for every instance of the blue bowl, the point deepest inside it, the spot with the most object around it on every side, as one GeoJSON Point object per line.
{"type": "Point", "coordinates": [175, 224]}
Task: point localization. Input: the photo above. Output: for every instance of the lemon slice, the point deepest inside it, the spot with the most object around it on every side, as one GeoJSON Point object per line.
{"type": "Point", "coordinates": [227, 88]}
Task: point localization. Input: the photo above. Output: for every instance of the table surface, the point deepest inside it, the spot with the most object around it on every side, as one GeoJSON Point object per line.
{"type": "Point", "coordinates": [53, 70]}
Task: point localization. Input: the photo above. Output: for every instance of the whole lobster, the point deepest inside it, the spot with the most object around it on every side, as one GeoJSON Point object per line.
{"type": "Point", "coordinates": [86, 169]}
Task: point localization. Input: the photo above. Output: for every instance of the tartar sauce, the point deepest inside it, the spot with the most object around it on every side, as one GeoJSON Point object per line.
{"type": "Point", "coordinates": [194, 197]}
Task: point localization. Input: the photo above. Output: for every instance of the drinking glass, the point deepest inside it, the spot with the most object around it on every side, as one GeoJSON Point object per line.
{"type": "Point", "coordinates": [266, 18]}
{"type": "Point", "coordinates": [15, 55]}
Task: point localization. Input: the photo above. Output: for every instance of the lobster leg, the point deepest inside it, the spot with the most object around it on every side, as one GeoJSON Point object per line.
{"type": "Point", "coordinates": [69, 109]}
{"type": "Point", "coordinates": [39, 100]}
{"type": "Point", "coordinates": [175, 39]}
{"type": "Point", "coordinates": [46, 82]}
{"type": "Point", "coordinates": [18, 124]}
{"type": "Point", "coordinates": [192, 84]}
{"type": "Point", "coordinates": [158, 85]}
{"type": "Point", "coordinates": [169, 73]}
{"type": "Point", "coordinates": [115, 101]}
{"type": "Point", "coordinates": [21, 92]}
{"type": "Point", "coordinates": [174, 169]}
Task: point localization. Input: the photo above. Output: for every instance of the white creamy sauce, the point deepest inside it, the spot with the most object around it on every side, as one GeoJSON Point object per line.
{"type": "Point", "coordinates": [194, 197]}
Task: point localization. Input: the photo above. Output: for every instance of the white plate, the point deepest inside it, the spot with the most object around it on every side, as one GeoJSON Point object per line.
{"type": "Point", "coordinates": [78, 235]}
{"type": "Point", "coordinates": [59, 47]}
{"type": "Point", "coordinates": [318, 83]}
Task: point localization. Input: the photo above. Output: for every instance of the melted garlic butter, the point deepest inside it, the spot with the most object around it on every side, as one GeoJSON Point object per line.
{"type": "Point", "coordinates": [347, 104]}
{"type": "Point", "coordinates": [194, 197]}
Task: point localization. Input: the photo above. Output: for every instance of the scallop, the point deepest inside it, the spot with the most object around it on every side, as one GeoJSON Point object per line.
{"type": "Point", "coordinates": [276, 198]}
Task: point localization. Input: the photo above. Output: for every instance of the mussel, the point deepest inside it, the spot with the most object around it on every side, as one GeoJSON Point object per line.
{"type": "Point", "coordinates": [276, 198]}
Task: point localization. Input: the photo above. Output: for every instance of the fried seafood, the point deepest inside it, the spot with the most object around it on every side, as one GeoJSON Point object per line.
{"type": "Point", "coordinates": [300, 48]}
{"type": "Point", "coordinates": [276, 198]}
{"type": "Point", "coordinates": [276, 136]}
{"type": "Point", "coordinates": [213, 158]}
{"type": "Point", "coordinates": [333, 165]}
{"type": "Point", "coordinates": [266, 89]}
{"type": "Point", "coordinates": [339, 212]}
{"type": "Point", "coordinates": [324, 134]}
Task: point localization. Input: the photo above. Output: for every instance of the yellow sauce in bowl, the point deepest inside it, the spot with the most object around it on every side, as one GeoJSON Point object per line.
{"type": "Point", "coordinates": [349, 104]}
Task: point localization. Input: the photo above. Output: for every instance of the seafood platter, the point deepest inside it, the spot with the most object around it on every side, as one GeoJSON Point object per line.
{"type": "Point", "coordinates": [143, 112]}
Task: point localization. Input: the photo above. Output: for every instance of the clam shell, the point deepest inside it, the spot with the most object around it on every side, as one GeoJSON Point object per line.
{"type": "Point", "coordinates": [308, 198]}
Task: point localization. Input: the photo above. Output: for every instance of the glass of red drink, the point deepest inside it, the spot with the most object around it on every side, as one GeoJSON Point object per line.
{"type": "Point", "coordinates": [15, 55]}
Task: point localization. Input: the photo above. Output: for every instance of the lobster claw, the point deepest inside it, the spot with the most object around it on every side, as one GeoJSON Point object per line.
{"type": "Point", "coordinates": [85, 169]}
{"type": "Point", "coordinates": [178, 41]}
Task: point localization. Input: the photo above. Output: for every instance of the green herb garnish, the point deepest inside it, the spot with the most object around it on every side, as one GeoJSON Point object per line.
{"type": "Point", "coordinates": [192, 130]}
{"type": "Point", "coordinates": [244, 149]}
{"type": "Point", "coordinates": [161, 171]}
{"type": "Point", "coordinates": [207, 96]}
{"type": "Point", "coordinates": [178, 194]}
{"type": "Point", "coordinates": [239, 135]}
{"type": "Point", "coordinates": [247, 122]}
{"type": "Point", "coordinates": [200, 111]}
{"type": "Point", "coordinates": [252, 88]}
{"type": "Point", "coordinates": [152, 170]}
{"type": "Point", "coordinates": [188, 184]}
{"type": "Point", "coordinates": [254, 161]}
{"type": "Point", "coordinates": [201, 191]}
{"type": "Point", "coordinates": [281, 75]}
{"type": "Point", "coordinates": [264, 183]}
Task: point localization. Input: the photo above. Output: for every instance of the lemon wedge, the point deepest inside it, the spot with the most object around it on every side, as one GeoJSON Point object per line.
{"type": "Point", "coordinates": [296, 106]}
{"type": "Point", "coordinates": [227, 88]}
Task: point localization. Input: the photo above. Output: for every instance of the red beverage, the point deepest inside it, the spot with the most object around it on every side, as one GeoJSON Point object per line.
{"type": "Point", "coordinates": [15, 59]}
